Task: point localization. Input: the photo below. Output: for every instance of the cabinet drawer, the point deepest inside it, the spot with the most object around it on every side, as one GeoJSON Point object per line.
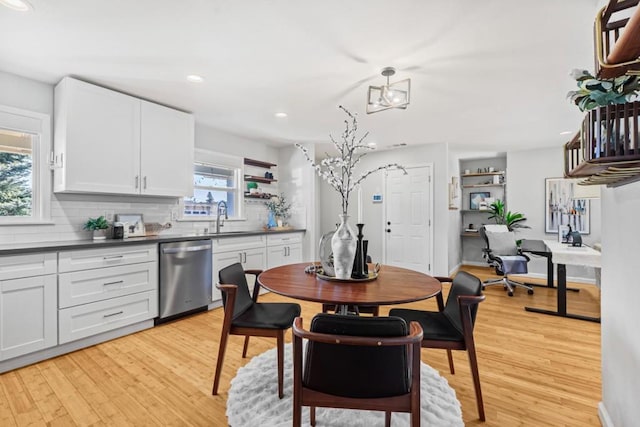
{"type": "Point", "coordinates": [81, 287]}
{"type": "Point", "coordinates": [98, 258]}
{"type": "Point", "coordinates": [91, 319]}
{"type": "Point", "coordinates": [283, 239]}
{"type": "Point", "coordinates": [17, 266]}
{"type": "Point", "coordinates": [226, 244]}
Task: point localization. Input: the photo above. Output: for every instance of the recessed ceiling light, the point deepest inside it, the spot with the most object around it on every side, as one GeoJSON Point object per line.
{"type": "Point", "coordinates": [192, 77]}
{"type": "Point", "coordinates": [281, 115]}
{"type": "Point", "coordinates": [566, 132]}
{"type": "Point", "coordinates": [19, 5]}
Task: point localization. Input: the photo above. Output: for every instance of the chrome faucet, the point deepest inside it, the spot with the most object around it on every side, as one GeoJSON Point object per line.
{"type": "Point", "coordinates": [221, 209]}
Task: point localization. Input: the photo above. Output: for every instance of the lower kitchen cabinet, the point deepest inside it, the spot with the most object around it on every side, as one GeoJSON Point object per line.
{"type": "Point", "coordinates": [28, 308]}
{"type": "Point", "coordinates": [284, 249]}
{"type": "Point", "coordinates": [250, 251]}
{"type": "Point", "coordinates": [90, 319]}
{"type": "Point", "coordinates": [104, 289]}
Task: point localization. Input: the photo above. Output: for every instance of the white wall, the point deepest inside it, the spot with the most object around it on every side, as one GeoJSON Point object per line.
{"type": "Point", "coordinates": [299, 185]}
{"type": "Point", "coordinates": [454, 256]}
{"type": "Point", "coordinates": [620, 294]}
{"type": "Point", "coordinates": [435, 154]}
{"type": "Point", "coordinates": [526, 173]}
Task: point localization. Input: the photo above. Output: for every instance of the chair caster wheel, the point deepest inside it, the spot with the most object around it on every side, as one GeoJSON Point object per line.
{"type": "Point", "coordinates": [510, 294]}
{"type": "Point", "coordinates": [530, 291]}
{"type": "Point", "coordinates": [505, 288]}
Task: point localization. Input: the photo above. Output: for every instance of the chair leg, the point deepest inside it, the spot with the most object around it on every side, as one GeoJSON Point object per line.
{"type": "Point", "coordinates": [312, 415]}
{"type": "Point", "coordinates": [387, 419]}
{"type": "Point", "coordinates": [473, 361]}
{"type": "Point", "coordinates": [246, 346]}
{"type": "Point", "coordinates": [280, 339]}
{"type": "Point", "coordinates": [221, 350]}
{"type": "Point", "coordinates": [450, 357]}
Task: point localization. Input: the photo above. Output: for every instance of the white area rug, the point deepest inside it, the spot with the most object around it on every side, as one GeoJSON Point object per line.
{"type": "Point", "coordinates": [253, 400]}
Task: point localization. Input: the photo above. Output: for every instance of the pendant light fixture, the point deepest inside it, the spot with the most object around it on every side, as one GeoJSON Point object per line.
{"type": "Point", "coordinates": [391, 95]}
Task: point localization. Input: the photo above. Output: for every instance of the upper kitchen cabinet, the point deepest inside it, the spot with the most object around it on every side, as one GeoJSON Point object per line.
{"type": "Point", "coordinates": [112, 143]}
{"type": "Point", "coordinates": [166, 159]}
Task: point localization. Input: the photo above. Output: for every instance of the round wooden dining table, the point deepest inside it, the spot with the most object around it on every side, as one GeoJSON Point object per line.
{"type": "Point", "coordinates": [394, 285]}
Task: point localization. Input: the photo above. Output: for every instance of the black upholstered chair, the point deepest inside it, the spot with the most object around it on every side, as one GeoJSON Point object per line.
{"type": "Point", "coordinates": [244, 315]}
{"type": "Point", "coordinates": [502, 252]}
{"type": "Point", "coordinates": [451, 327]}
{"type": "Point", "coordinates": [370, 363]}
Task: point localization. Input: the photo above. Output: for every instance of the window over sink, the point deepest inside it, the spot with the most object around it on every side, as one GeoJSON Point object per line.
{"type": "Point", "coordinates": [216, 178]}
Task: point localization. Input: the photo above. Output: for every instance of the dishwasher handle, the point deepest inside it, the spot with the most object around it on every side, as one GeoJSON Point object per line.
{"type": "Point", "coordinates": [186, 249]}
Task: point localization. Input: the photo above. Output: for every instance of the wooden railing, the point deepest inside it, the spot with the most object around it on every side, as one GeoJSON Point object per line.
{"type": "Point", "coordinates": [606, 150]}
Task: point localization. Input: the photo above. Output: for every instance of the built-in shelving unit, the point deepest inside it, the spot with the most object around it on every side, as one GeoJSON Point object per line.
{"type": "Point", "coordinates": [479, 178]}
{"type": "Point", "coordinates": [255, 167]}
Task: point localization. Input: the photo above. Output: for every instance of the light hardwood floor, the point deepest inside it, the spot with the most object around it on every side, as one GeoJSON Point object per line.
{"type": "Point", "coordinates": [536, 370]}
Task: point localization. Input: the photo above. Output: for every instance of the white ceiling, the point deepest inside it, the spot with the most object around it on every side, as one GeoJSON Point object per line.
{"type": "Point", "coordinates": [485, 74]}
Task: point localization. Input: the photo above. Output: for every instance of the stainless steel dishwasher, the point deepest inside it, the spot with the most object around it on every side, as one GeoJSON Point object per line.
{"type": "Point", "coordinates": [185, 277]}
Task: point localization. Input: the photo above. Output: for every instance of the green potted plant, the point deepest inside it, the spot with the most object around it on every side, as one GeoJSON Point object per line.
{"type": "Point", "coordinates": [593, 92]}
{"type": "Point", "coordinates": [512, 220]}
{"type": "Point", "coordinates": [99, 227]}
{"type": "Point", "coordinates": [280, 209]}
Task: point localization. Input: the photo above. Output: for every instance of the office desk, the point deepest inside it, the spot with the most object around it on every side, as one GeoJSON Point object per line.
{"type": "Point", "coordinates": [539, 248]}
{"type": "Point", "coordinates": [563, 255]}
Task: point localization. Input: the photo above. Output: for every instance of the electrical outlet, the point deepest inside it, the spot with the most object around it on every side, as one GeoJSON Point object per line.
{"type": "Point", "coordinates": [108, 215]}
{"type": "Point", "coordinates": [174, 214]}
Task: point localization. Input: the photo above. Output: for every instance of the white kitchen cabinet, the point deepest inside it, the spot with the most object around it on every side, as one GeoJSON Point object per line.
{"type": "Point", "coordinates": [28, 306]}
{"type": "Point", "coordinates": [250, 251]}
{"type": "Point", "coordinates": [113, 143]}
{"type": "Point", "coordinates": [104, 289]}
{"type": "Point", "coordinates": [166, 164]}
{"type": "Point", "coordinates": [284, 249]}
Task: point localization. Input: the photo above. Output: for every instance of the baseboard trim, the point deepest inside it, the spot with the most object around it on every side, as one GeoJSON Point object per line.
{"type": "Point", "coordinates": [603, 414]}
{"type": "Point", "coordinates": [454, 270]}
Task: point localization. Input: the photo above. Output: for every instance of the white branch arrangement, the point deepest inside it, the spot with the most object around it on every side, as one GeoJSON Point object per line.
{"type": "Point", "coordinates": [338, 171]}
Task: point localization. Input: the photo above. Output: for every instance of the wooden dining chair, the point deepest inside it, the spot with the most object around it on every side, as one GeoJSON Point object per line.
{"type": "Point", "coordinates": [451, 327]}
{"type": "Point", "coordinates": [352, 362]}
{"type": "Point", "coordinates": [244, 315]}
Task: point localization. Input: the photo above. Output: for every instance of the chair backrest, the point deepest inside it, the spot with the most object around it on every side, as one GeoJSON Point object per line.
{"type": "Point", "coordinates": [234, 275]}
{"type": "Point", "coordinates": [357, 371]}
{"type": "Point", "coordinates": [463, 284]}
{"type": "Point", "coordinates": [499, 240]}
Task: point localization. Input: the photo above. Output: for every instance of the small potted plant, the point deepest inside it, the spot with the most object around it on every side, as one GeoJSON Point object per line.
{"type": "Point", "coordinates": [280, 209]}
{"type": "Point", "coordinates": [99, 227]}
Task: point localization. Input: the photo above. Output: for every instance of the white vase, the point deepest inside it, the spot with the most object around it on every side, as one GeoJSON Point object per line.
{"type": "Point", "coordinates": [343, 245]}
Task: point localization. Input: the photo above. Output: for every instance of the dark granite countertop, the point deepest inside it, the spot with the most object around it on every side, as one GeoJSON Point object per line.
{"type": "Point", "coordinates": [34, 247]}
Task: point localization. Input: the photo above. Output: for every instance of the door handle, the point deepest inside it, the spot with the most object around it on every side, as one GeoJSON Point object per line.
{"type": "Point", "coordinates": [144, 180]}
{"type": "Point", "coordinates": [388, 222]}
{"type": "Point", "coordinates": [388, 230]}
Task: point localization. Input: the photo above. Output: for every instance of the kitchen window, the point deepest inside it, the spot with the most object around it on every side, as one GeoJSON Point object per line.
{"type": "Point", "coordinates": [25, 179]}
{"type": "Point", "coordinates": [217, 178]}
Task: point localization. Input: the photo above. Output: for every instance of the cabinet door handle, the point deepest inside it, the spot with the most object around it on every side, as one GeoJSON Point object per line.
{"type": "Point", "coordinates": [245, 257]}
{"type": "Point", "coordinates": [113, 283]}
{"type": "Point", "coordinates": [240, 255]}
{"type": "Point", "coordinates": [137, 179]}
{"type": "Point", "coordinates": [113, 314]}
{"type": "Point", "coordinates": [113, 257]}
{"type": "Point", "coordinates": [144, 180]}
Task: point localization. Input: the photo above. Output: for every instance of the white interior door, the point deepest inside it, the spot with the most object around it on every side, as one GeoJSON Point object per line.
{"type": "Point", "coordinates": [408, 210]}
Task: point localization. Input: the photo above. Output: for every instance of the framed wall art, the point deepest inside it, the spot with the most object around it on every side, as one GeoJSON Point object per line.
{"type": "Point", "coordinates": [133, 222]}
{"type": "Point", "coordinates": [561, 208]}
{"type": "Point", "coordinates": [477, 200]}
